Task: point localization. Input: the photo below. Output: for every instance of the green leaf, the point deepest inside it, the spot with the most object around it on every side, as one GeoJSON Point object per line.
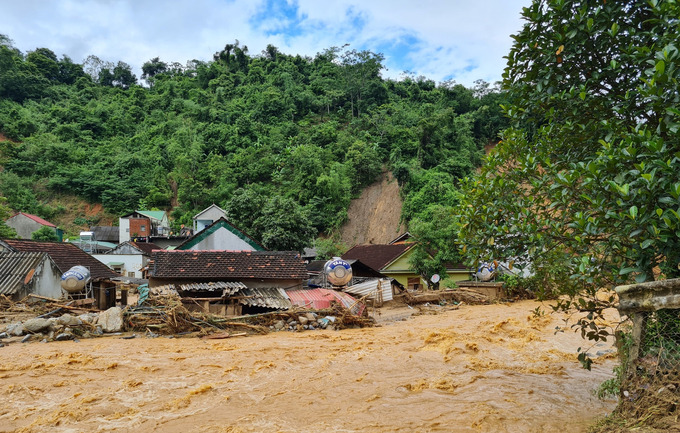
{"type": "Point", "coordinates": [646, 243]}
{"type": "Point", "coordinates": [660, 67]}
{"type": "Point", "coordinates": [633, 211]}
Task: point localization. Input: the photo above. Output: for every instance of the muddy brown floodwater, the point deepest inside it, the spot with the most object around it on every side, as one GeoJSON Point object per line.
{"type": "Point", "coordinates": [494, 368]}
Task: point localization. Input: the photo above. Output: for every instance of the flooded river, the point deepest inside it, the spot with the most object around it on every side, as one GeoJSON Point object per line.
{"type": "Point", "coordinates": [494, 368]}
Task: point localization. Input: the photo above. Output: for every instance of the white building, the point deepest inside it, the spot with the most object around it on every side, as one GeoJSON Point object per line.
{"type": "Point", "coordinates": [221, 235]}
{"type": "Point", "coordinates": [208, 216]}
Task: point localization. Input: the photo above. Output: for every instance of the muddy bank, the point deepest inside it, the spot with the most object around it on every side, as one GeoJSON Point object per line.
{"type": "Point", "coordinates": [484, 368]}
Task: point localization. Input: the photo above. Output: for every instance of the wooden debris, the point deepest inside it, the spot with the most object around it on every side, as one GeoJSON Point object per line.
{"type": "Point", "coordinates": [222, 336]}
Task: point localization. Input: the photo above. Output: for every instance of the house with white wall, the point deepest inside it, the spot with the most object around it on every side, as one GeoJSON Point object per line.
{"type": "Point", "coordinates": [128, 258]}
{"type": "Point", "coordinates": [208, 216]}
{"type": "Point", "coordinates": [221, 235]}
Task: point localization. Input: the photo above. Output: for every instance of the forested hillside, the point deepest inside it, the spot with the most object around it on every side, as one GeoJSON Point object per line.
{"type": "Point", "coordinates": [282, 142]}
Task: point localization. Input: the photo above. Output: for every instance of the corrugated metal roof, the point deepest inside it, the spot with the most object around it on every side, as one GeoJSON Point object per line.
{"type": "Point", "coordinates": [155, 214]}
{"type": "Point", "coordinates": [167, 289]}
{"type": "Point", "coordinates": [372, 288]}
{"type": "Point", "coordinates": [229, 287]}
{"type": "Point", "coordinates": [106, 233]}
{"type": "Point", "coordinates": [64, 254]}
{"type": "Point", "coordinates": [320, 299]}
{"type": "Point", "coordinates": [267, 297]}
{"type": "Point", "coordinates": [16, 268]}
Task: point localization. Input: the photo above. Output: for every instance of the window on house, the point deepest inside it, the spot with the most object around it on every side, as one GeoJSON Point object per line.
{"type": "Point", "coordinates": [142, 228]}
{"type": "Point", "coordinates": [127, 230]}
{"type": "Point", "coordinates": [413, 283]}
{"type": "Point", "coordinates": [131, 274]}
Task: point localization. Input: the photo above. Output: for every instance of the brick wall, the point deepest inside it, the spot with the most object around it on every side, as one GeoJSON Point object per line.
{"type": "Point", "coordinates": [140, 227]}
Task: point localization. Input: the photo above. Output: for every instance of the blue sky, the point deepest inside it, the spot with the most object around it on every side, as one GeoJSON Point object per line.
{"type": "Point", "coordinates": [442, 40]}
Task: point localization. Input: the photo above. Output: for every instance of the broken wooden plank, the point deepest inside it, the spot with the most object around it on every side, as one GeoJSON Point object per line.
{"type": "Point", "coordinates": [223, 335]}
{"type": "Point", "coordinates": [79, 302]}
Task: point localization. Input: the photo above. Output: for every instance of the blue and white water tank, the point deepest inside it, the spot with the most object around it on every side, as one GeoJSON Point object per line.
{"type": "Point", "coordinates": [75, 279]}
{"type": "Point", "coordinates": [338, 272]}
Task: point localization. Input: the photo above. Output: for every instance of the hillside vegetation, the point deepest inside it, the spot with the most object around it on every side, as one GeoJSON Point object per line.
{"type": "Point", "coordinates": [282, 142]}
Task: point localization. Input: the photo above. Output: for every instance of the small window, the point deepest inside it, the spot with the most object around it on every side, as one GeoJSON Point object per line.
{"type": "Point", "coordinates": [127, 230]}
{"type": "Point", "coordinates": [413, 284]}
{"type": "Point", "coordinates": [142, 228]}
{"type": "Point", "coordinates": [131, 274]}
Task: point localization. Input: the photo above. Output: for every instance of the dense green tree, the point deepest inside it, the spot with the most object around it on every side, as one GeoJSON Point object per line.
{"type": "Point", "coordinates": [45, 233]}
{"type": "Point", "coordinates": [152, 68]}
{"type": "Point", "coordinates": [590, 165]}
{"type": "Point", "coordinates": [238, 131]}
{"type": "Point", "coordinates": [284, 225]}
{"type": "Point", "coordinates": [433, 234]}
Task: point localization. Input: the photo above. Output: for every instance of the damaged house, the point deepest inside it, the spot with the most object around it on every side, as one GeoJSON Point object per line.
{"type": "Point", "coordinates": [228, 282]}
{"type": "Point", "coordinates": [25, 273]}
{"type": "Point", "coordinates": [65, 255]}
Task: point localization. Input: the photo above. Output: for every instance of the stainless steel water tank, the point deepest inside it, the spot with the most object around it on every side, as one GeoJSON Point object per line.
{"type": "Point", "coordinates": [338, 271]}
{"type": "Point", "coordinates": [75, 279]}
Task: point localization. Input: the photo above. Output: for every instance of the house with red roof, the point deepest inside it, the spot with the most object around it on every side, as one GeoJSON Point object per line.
{"type": "Point", "coordinates": [26, 224]}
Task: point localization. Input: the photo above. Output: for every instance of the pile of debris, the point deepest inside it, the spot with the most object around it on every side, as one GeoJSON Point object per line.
{"type": "Point", "coordinates": [458, 295]}
{"type": "Point", "coordinates": [165, 314]}
{"type": "Point", "coordinates": [335, 318]}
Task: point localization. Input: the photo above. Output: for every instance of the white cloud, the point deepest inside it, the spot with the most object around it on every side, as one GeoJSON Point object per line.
{"type": "Point", "coordinates": [445, 37]}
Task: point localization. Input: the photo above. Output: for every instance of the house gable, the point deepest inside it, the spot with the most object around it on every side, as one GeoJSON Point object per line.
{"type": "Point", "coordinates": [400, 263]}
{"type": "Point", "coordinates": [208, 216]}
{"type": "Point", "coordinates": [221, 235]}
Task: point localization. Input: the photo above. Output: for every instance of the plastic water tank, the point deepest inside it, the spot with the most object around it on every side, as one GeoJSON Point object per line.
{"type": "Point", "coordinates": [75, 279]}
{"type": "Point", "coordinates": [338, 271]}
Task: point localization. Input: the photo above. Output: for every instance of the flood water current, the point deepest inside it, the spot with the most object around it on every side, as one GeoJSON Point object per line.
{"type": "Point", "coordinates": [493, 368]}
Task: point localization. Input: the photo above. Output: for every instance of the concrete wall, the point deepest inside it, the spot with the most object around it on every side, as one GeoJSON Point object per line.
{"type": "Point", "coordinates": [165, 242]}
{"type": "Point", "coordinates": [124, 227]}
{"type": "Point", "coordinates": [208, 217]}
{"type": "Point", "coordinates": [46, 281]}
{"type": "Point", "coordinates": [25, 226]}
{"type": "Point", "coordinates": [222, 239]}
{"type": "Point", "coordinates": [131, 262]}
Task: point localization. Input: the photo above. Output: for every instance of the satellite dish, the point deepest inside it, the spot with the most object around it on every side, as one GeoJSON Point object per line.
{"type": "Point", "coordinates": [435, 278]}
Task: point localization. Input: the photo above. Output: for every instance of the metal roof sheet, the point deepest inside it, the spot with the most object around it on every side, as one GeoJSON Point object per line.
{"type": "Point", "coordinates": [167, 289]}
{"type": "Point", "coordinates": [65, 255]}
{"type": "Point", "coordinates": [155, 214]}
{"type": "Point", "coordinates": [372, 288]}
{"type": "Point", "coordinates": [321, 299]}
{"type": "Point", "coordinates": [267, 297]}
{"type": "Point", "coordinates": [228, 287]}
{"type": "Point", "coordinates": [16, 270]}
